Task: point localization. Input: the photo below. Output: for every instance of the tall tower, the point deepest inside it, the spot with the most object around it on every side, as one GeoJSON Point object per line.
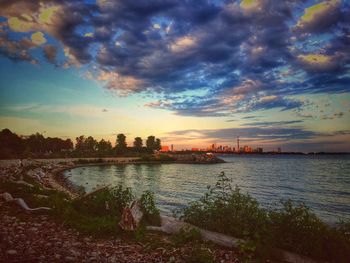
{"type": "Point", "coordinates": [237, 143]}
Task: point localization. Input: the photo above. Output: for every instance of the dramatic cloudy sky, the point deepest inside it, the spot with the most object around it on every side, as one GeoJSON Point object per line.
{"type": "Point", "coordinates": [192, 72]}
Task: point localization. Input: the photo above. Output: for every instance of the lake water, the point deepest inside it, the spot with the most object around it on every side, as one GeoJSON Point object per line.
{"type": "Point", "coordinates": [321, 182]}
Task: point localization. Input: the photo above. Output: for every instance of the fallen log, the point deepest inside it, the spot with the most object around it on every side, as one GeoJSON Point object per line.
{"type": "Point", "coordinates": [170, 225]}
{"type": "Point", "coordinates": [19, 201]}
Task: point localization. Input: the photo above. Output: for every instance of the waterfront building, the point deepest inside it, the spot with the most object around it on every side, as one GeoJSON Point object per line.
{"type": "Point", "coordinates": [164, 149]}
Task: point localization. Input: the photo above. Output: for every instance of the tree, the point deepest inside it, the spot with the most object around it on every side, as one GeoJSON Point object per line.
{"type": "Point", "coordinates": [121, 143]}
{"type": "Point", "coordinates": [138, 144]}
{"type": "Point", "coordinates": [150, 143]}
{"type": "Point", "coordinates": [67, 145]}
{"type": "Point", "coordinates": [157, 145]}
{"type": "Point", "coordinates": [91, 144]}
{"type": "Point", "coordinates": [104, 147]}
{"type": "Point", "coordinates": [36, 143]}
{"type": "Point", "coordinates": [80, 143]}
{"type": "Point", "coordinates": [10, 143]}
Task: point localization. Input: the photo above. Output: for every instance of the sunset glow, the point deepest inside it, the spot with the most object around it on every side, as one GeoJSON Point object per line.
{"type": "Point", "coordinates": [193, 73]}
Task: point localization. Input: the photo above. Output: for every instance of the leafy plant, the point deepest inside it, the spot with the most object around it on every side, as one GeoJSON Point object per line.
{"type": "Point", "coordinates": [151, 212]}
{"type": "Point", "coordinates": [293, 227]}
{"type": "Point", "coordinates": [109, 201]}
{"type": "Point", "coordinates": [186, 235]}
{"type": "Point", "coordinates": [140, 232]}
{"type": "Point", "coordinates": [227, 210]}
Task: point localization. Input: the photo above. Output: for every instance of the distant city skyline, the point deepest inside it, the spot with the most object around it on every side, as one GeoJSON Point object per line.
{"type": "Point", "coordinates": [193, 73]}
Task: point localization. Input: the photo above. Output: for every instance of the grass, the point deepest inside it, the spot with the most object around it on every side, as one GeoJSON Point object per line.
{"type": "Point", "coordinates": [293, 227]}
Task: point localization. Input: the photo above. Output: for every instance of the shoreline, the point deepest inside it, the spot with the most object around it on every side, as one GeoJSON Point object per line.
{"type": "Point", "coordinates": [55, 168]}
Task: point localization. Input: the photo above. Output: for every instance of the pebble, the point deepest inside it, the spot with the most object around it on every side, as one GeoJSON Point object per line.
{"type": "Point", "coordinates": [11, 252]}
{"type": "Point", "coordinates": [70, 259]}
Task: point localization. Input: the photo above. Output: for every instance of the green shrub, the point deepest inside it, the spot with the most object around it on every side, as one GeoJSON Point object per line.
{"type": "Point", "coordinates": [227, 210]}
{"type": "Point", "coordinates": [186, 235]}
{"type": "Point", "coordinates": [151, 212]}
{"type": "Point", "coordinates": [109, 201]}
{"type": "Point", "coordinates": [293, 227]}
{"type": "Point", "coordinates": [140, 232]}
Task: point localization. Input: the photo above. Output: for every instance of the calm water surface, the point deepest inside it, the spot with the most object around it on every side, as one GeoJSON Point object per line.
{"type": "Point", "coordinates": [322, 182]}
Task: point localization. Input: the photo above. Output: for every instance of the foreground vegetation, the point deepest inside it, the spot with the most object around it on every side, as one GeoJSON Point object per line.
{"type": "Point", "coordinates": [293, 227]}
{"type": "Point", "coordinates": [224, 209]}
{"type": "Point", "coordinates": [97, 215]}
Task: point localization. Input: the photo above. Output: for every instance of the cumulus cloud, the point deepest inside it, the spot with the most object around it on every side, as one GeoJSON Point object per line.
{"type": "Point", "coordinates": [319, 17]}
{"type": "Point", "coordinates": [38, 38]}
{"type": "Point", "coordinates": [210, 58]}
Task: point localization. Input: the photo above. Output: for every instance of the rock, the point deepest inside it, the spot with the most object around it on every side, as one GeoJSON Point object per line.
{"type": "Point", "coordinates": [69, 259]}
{"type": "Point", "coordinates": [11, 252]}
{"type": "Point", "coordinates": [31, 251]}
{"type": "Point", "coordinates": [74, 252]}
{"type": "Point", "coordinates": [76, 244]}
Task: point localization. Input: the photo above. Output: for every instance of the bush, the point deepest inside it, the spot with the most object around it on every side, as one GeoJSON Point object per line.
{"type": "Point", "coordinates": [109, 201]}
{"type": "Point", "coordinates": [293, 227]}
{"type": "Point", "coordinates": [151, 212]}
{"type": "Point", "coordinates": [227, 210]}
{"type": "Point", "coordinates": [185, 236]}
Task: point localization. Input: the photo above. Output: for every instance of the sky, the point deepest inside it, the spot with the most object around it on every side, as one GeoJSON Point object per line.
{"type": "Point", "coordinates": [275, 73]}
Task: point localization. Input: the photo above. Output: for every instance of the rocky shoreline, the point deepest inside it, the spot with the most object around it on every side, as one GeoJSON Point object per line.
{"type": "Point", "coordinates": [39, 237]}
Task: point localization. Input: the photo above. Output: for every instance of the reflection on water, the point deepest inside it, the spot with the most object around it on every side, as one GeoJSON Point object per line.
{"type": "Point", "coordinates": [322, 182]}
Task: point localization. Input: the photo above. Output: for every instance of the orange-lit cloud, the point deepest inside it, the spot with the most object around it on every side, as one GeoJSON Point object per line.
{"type": "Point", "coordinates": [38, 38]}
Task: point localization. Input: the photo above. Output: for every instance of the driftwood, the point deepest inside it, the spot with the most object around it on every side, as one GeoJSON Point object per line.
{"type": "Point", "coordinates": [172, 225]}
{"type": "Point", "coordinates": [22, 183]}
{"type": "Point", "coordinates": [131, 217]}
{"type": "Point", "coordinates": [19, 201]}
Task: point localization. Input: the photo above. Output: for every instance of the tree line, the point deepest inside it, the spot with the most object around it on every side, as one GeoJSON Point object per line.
{"type": "Point", "coordinates": [15, 146]}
